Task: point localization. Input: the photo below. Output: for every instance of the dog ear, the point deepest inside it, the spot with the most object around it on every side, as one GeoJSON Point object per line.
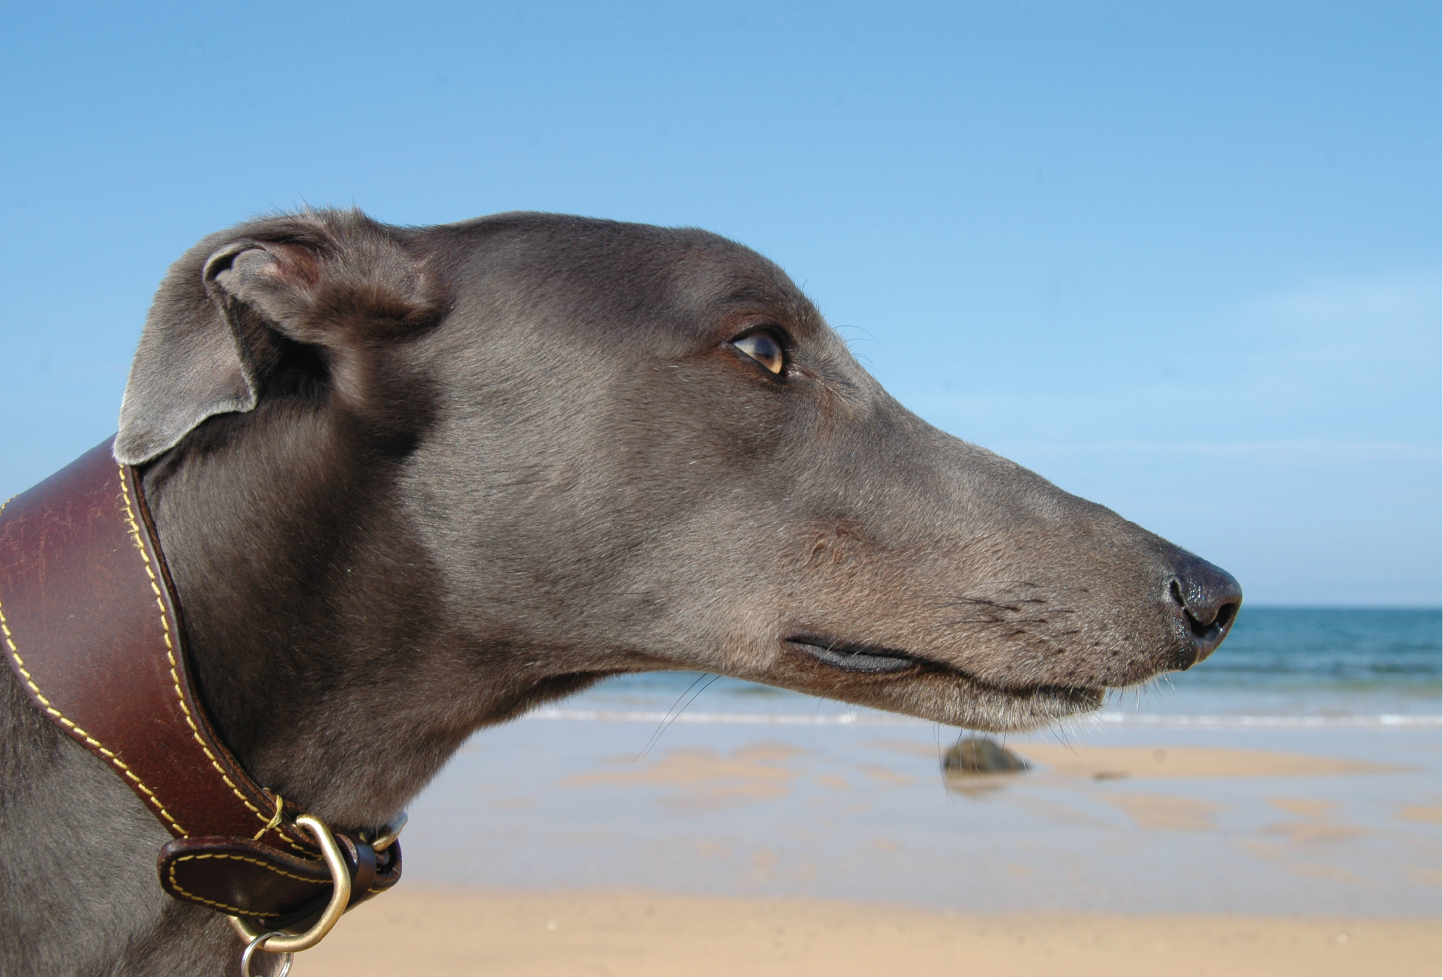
{"type": "Point", "coordinates": [213, 337]}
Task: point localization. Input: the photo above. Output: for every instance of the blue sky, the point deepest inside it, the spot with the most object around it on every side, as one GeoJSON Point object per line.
{"type": "Point", "coordinates": [1180, 258]}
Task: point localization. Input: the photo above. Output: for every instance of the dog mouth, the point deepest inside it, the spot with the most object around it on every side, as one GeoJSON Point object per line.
{"type": "Point", "coordinates": [854, 659]}
{"type": "Point", "coordinates": [1006, 706]}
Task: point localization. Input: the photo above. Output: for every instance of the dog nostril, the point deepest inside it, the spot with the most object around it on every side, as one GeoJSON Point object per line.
{"type": "Point", "coordinates": [1202, 623]}
{"type": "Point", "coordinates": [1199, 629]}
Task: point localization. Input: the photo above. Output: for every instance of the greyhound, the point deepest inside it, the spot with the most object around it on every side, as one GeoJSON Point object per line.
{"type": "Point", "coordinates": [413, 482]}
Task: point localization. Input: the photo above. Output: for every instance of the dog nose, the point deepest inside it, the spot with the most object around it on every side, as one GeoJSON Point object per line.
{"type": "Point", "coordinates": [1207, 598]}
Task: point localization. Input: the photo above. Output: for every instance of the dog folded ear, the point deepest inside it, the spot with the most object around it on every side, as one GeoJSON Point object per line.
{"type": "Point", "coordinates": [336, 281]}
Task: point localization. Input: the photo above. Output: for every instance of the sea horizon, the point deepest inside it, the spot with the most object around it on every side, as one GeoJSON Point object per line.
{"type": "Point", "coordinates": [1284, 666]}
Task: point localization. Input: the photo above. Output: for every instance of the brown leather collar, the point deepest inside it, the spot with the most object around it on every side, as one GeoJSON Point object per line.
{"type": "Point", "coordinates": [90, 622]}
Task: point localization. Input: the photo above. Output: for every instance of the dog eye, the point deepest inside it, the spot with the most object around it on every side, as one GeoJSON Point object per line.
{"type": "Point", "coordinates": [763, 348]}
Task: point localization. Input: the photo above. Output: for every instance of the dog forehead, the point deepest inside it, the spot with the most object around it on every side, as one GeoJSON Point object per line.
{"type": "Point", "coordinates": [685, 276]}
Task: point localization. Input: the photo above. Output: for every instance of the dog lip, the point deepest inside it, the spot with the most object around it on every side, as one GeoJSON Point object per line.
{"type": "Point", "coordinates": [870, 659]}
{"type": "Point", "coordinates": [853, 659]}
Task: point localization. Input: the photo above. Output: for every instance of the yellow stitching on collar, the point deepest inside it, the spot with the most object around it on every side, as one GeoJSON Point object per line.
{"type": "Point", "coordinates": [275, 821]}
{"type": "Point", "coordinates": [174, 676]}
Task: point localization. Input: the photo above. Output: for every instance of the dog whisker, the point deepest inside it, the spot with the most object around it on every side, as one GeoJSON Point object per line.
{"type": "Point", "coordinates": [666, 718]}
{"type": "Point", "coordinates": [713, 678]}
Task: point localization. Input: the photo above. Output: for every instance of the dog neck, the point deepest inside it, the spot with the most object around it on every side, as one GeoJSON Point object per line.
{"type": "Point", "coordinates": [315, 623]}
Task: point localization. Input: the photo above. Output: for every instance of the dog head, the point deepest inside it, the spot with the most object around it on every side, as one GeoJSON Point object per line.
{"type": "Point", "coordinates": [524, 452]}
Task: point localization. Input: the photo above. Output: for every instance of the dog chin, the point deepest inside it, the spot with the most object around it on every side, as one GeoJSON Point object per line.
{"type": "Point", "coordinates": [976, 706]}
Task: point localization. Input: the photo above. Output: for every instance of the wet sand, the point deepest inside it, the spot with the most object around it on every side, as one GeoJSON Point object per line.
{"type": "Point", "coordinates": [429, 932]}
{"type": "Point", "coordinates": [562, 847]}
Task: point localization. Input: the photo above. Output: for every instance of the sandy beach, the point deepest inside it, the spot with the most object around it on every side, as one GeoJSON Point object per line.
{"type": "Point", "coordinates": [561, 847]}
{"type": "Point", "coordinates": [607, 933]}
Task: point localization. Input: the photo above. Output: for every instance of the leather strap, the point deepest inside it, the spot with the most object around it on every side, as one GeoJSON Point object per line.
{"type": "Point", "coordinates": [276, 889]}
{"type": "Point", "coordinates": [91, 625]}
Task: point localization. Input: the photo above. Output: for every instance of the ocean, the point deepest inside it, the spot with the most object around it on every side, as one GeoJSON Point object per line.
{"type": "Point", "coordinates": [1281, 667]}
